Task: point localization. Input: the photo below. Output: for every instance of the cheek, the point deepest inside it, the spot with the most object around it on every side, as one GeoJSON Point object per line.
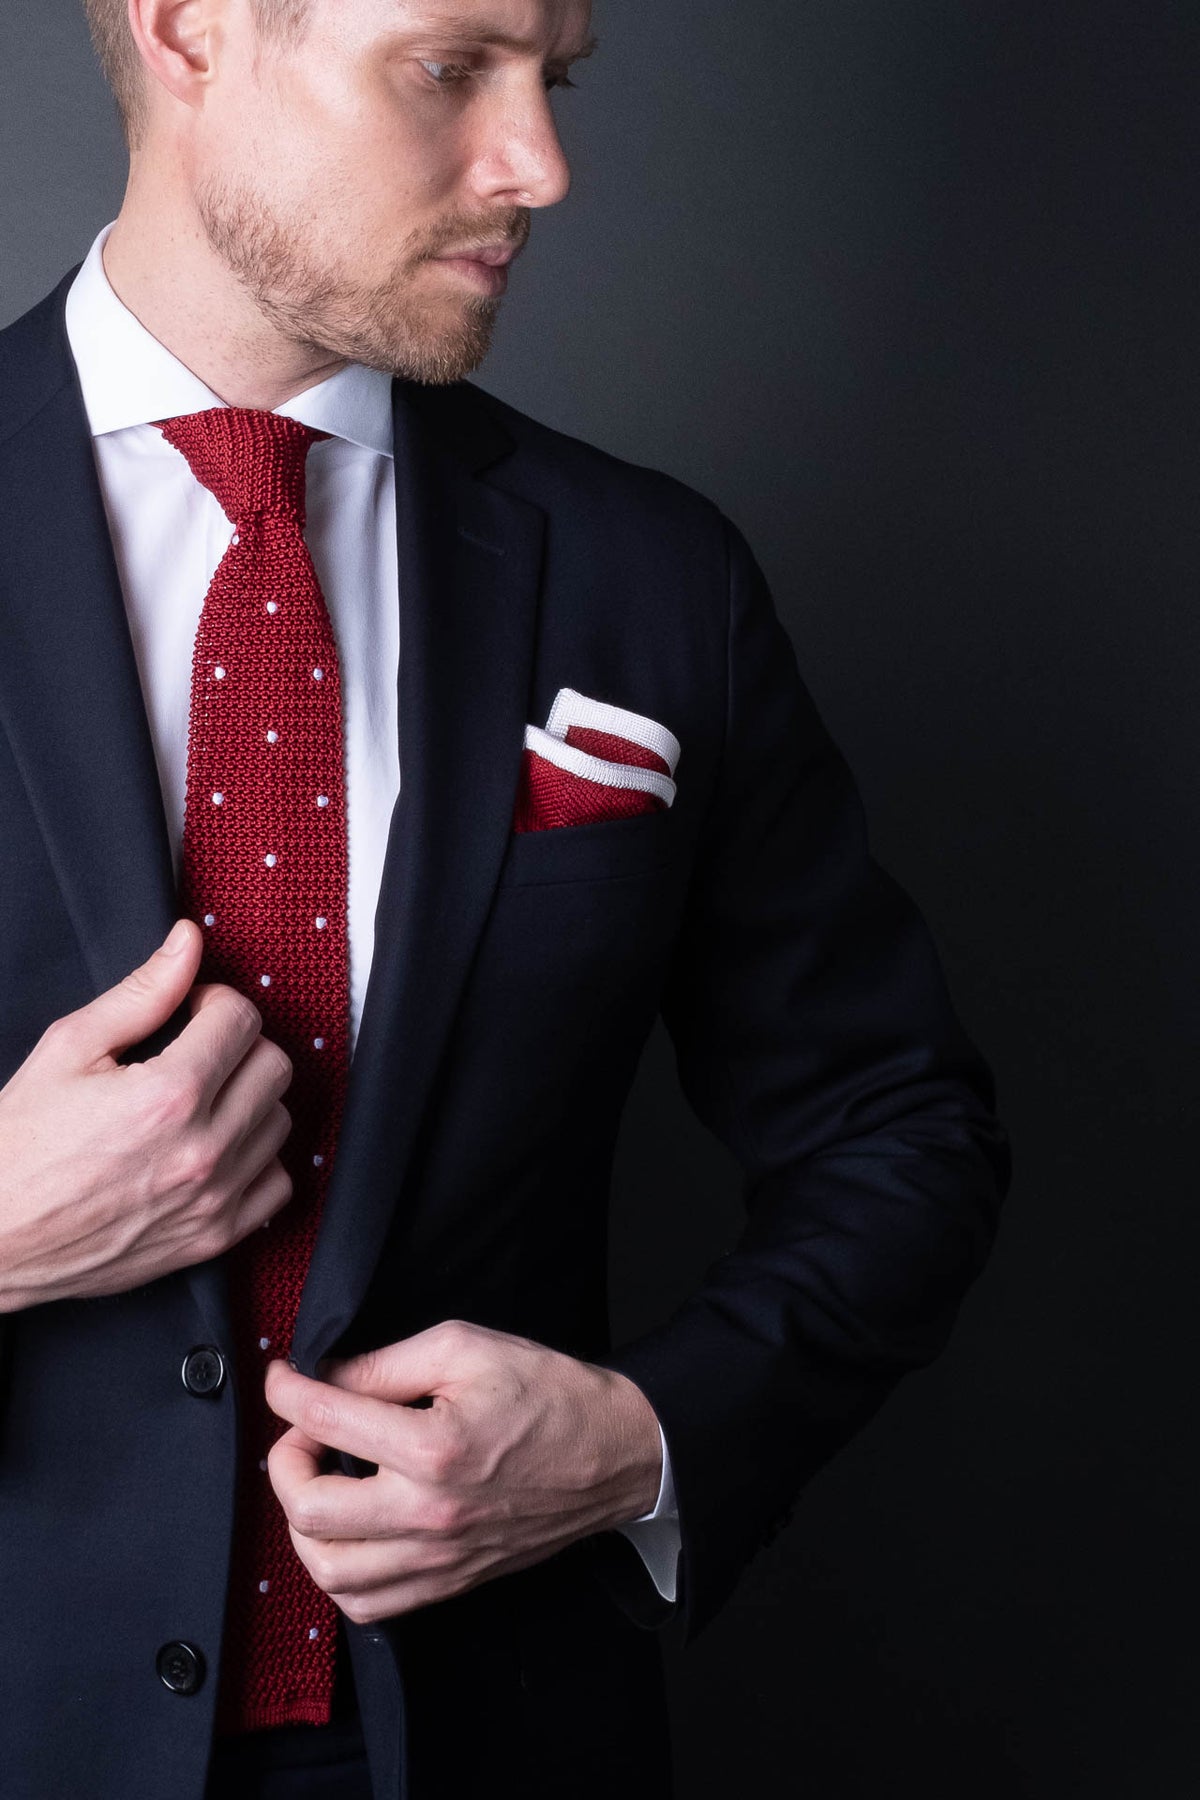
{"type": "Point", "coordinates": [380, 135]}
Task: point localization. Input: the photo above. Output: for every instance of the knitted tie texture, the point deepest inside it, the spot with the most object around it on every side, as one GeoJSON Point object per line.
{"type": "Point", "coordinates": [264, 874]}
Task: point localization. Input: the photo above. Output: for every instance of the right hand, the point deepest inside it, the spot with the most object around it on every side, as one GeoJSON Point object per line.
{"type": "Point", "coordinates": [114, 1174]}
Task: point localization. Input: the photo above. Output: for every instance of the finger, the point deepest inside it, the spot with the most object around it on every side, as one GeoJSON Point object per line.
{"type": "Point", "coordinates": [262, 1077]}
{"type": "Point", "coordinates": [337, 1508]}
{"type": "Point", "coordinates": [268, 1194]}
{"type": "Point", "coordinates": [425, 1586]}
{"type": "Point", "coordinates": [248, 1156]}
{"type": "Point", "coordinates": [379, 1431]}
{"type": "Point", "coordinates": [214, 1040]}
{"type": "Point", "coordinates": [367, 1567]}
{"type": "Point", "coordinates": [429, 1575]}
{"type": "Point", "coordinates": [299, 1454]}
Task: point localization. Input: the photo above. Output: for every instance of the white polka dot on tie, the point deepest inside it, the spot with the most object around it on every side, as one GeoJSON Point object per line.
{"type": "Point", "coordinates": [321, 922]}
{"type": "Point", "coordinates": [272, 737]}
{"type": "Point", "coordinates": [235, 539]}
{"type": "Point", "coordinates": [264, 1343]}
{"type": "Point", "coordinates": [262, 1463]}
{"type": "Point", "coordinates": [219, 672]}
{"type": "Point", "coordinates": [318, 1043]}
{"type": "Point", "coordinates": [210, 918]}
{"type": "Point", "coordinates": [263, 1586]}
{"type": "Point", "coordinates": [270, 859]}
{"type": "Point", "coordinates": [265, 980]}
{"type": "Point", "coordinates": [322, 799]}
{"type": "Point", "coordinates": [318, 674]}
{"type": "Point", "coordinates": [272, 606]}
{"type": "Point", "coordinates": [313, 1633]}
{"type": "Point", "coordinates": [317, 1161]}
{"type": "Point", "coordinates": [218, 799]}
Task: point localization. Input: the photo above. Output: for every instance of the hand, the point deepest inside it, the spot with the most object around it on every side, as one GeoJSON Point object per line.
{"type": "Point", "coordinates": [522, 1451]}
{"type": "Point", "coordinates": [111, 1174]}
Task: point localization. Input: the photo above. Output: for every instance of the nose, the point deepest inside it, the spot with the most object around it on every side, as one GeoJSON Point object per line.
{"type": "Point", "coordinates": [522, 160]}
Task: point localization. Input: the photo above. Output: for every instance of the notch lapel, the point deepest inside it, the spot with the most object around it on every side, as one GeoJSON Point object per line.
{"type": "Point", "coordinates": [469, 568]}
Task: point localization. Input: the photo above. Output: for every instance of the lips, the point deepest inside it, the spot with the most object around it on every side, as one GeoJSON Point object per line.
{"type": "Point", "coordinates": [495, 256]}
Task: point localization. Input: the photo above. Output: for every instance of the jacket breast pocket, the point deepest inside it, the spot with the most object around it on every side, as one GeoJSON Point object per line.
{"type": "Point", "coordinates": [605, 850]}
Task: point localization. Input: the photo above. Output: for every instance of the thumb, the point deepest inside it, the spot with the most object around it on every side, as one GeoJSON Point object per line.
{"type": "Point", "coordinates": [145, 998]}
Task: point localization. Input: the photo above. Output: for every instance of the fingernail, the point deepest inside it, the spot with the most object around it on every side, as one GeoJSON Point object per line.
{"type": "Point", "coordinates": [176, 940]}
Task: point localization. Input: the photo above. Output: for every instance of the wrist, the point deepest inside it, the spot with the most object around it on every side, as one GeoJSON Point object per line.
{"type": "Point", "coordinates": [636, 1455]}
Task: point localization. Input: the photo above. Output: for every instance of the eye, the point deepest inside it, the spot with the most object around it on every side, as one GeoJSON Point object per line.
{"type": "Point", "coordinates": [445, 74]}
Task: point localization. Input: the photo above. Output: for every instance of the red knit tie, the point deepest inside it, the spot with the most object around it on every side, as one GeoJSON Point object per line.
{"type": "Point", "coordinates": [265, 875]}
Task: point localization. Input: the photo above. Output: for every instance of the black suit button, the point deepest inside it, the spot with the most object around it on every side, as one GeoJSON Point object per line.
{"type": "Point", "coordinates": [203, 1370]}
{"type": "Point", "coordinates": [180, 1667]}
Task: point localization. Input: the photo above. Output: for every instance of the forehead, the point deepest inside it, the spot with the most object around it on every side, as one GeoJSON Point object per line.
{"type": "Point", "coordinates": [546, 26]}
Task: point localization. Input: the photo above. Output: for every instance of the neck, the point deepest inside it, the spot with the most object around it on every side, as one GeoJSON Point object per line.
{"type": "Point", "coordinates": [160, 264]}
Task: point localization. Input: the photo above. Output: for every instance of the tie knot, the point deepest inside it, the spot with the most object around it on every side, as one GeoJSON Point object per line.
{"type": "Point", "coordinates": [252, 461]}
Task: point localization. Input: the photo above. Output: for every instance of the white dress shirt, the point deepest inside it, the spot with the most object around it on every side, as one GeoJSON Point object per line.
{"type": "Point", "coordinates": [169, 533]}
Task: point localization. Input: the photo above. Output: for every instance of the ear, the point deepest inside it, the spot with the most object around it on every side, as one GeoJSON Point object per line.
{"type": "Point", "coordinates": [180, 42]}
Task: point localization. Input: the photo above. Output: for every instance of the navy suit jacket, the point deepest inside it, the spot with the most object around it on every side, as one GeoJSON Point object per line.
{"type": "Point", "coordinates": [514, 982]}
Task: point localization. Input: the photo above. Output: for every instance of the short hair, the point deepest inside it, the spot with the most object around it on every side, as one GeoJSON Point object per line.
{"type": "Point", "coordinates": [278, 21]}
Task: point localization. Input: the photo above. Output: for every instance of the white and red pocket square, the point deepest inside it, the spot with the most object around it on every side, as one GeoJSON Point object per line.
{"type": "Point", "coordinates": [593, 761]}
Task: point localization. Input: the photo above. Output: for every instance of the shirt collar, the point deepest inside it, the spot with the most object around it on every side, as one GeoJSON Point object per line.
{"type": "Point", "coordinates": [128, 378]}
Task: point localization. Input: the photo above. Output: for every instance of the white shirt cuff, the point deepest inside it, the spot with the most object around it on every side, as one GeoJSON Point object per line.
{"type": "Point", "coordinates": [655, 1535]}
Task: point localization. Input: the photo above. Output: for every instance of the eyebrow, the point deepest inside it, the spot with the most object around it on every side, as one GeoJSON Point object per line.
{"type": "Point", "coordinates": [452, 28]}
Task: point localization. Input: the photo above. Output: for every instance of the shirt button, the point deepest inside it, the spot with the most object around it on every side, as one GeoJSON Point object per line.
{"type": "Point", "coordinates": [180, 1668]}
{"type": "Point", "coordinates": [203, 1370]}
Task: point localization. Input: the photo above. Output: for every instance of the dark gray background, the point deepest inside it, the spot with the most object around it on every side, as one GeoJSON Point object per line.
{"type": "Point", "coordinates": [910, 291]}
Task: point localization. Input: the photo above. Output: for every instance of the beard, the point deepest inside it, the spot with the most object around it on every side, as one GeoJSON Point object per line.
{"type": "Point", "coordinates": [313, 303]}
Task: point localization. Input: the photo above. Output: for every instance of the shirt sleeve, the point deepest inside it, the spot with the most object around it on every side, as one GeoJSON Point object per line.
{"type": "Point", "coordinates": [655, 1535]}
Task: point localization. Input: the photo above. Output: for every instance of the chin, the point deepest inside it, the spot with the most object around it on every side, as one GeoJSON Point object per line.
{"type": "Point", "coordinates": [439, 358]}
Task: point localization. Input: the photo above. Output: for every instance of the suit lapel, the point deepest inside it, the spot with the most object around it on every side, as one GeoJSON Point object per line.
{"type": "Point", "coordinates": [71, 703]}
{"type": "Point", "coordinates": [469, 564]}
{"type": "Point", "coordinates": [70, 694]}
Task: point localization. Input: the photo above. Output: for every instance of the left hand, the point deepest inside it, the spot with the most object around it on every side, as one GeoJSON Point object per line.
{"type": "Point", "coordinates": [523, 1450]}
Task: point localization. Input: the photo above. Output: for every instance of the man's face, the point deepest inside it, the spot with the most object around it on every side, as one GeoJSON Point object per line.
{"type": "Point", "coordinates": [333, 176]}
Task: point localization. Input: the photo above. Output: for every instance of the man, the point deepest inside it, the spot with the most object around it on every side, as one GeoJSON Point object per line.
{"type": "Point", "coordinates": [318, 1473]}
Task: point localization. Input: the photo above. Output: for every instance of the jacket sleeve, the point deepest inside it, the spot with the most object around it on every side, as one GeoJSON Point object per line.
{"type": "Point", "coordinates": [814, 1036]}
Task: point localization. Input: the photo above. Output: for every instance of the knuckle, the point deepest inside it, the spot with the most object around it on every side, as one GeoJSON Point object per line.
{"type": "Point", "coordinates": [280, 1065]}
{"type": "Point", "coordinates": [454, 1337]}
{"type": "Point", "coordinates": [171, 1098]}
{"type": "Point", "coordinates": [357, 1608]}
{"type": "Point", "coordinates": [305, 1517]}
{"type": "Point", "coordinates": [439, 1456]}
{"type": "Point", "coordinates": [317, 1416]}
{"type": "Point", "coordinates": [242, 1010]}
{"type": "Point", "coordinates": [369, 1369]}
{"type": "Point", "coordinates": [193, 1165]}
{"type": "Point", "coordinates": [322, 1566]}
{"type": "Point", "coordinates": [211, 1203]}
{"type": "Point", "coordinates": [441, 1515]}
{"type": "Point", "coordinates": [214, 1242]}
{"type": "Point", "coordinates": [60, 1034]}
{"type": "Point", "coordinates": [137, 983]}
